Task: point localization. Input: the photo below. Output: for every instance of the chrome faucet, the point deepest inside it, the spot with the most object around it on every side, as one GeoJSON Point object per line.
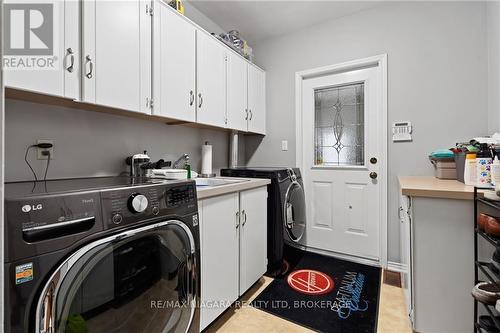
{"type": "Point", "coordinates": [184, 157]}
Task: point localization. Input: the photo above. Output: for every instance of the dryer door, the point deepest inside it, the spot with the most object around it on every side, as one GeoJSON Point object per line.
{"type": "Point", "coordinates": [295, 212]}
{"type": "Point", "coordinates": [141, 280]}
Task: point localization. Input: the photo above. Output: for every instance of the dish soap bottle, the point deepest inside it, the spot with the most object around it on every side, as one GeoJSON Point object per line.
{"type": "Point", "coordinates": [495, 171]}
{"type": "Point", "coordinates": [483, 161]}
{"type": "Point", "coordinates": [470, 173]}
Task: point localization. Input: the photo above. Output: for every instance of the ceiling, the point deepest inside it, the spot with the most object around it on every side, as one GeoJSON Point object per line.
{"type": "Point", "coordinates": [258, 20]}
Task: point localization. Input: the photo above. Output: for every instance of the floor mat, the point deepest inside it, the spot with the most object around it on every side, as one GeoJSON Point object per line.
{"type": "Point", "coordinates": [325, 294]}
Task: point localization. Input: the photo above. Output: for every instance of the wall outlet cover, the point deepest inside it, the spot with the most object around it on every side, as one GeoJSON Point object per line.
{"type": "Point", "coordinates": [39, 154]}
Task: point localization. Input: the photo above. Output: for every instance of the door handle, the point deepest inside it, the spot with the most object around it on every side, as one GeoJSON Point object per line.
{"type": "Point", "coordinates": [373, 175]}
{"type": "Point", "coordinates": [237, 220]}
{"type": "Point", "coordinates": [251, 115]}
{"type": "Point", "coordinates": [200, 98]}
{"type": "Point", "coordinates": [246, 114]}
{"type": "Point", "coordinates": [191, 98]}
{"type": "Point", "coordinates": [245, 217]}
{"type": "Point", "coordinates": [91, 67]}
{"type": "Point", "coordinates": [72, 57]}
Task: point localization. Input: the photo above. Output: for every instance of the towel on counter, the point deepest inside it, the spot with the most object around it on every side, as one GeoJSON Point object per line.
{"type": "Point", "coordinates": [442, 154]}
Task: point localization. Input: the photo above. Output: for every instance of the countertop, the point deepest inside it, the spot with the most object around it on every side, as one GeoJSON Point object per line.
{"type": "Point", "coordinates": [204, 192]}
{"type": "Point", "coordinates": [432, 187]}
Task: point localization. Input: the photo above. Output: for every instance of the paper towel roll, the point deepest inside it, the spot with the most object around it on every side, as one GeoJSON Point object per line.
{"type": "Point", "coordinates": [206, 159]}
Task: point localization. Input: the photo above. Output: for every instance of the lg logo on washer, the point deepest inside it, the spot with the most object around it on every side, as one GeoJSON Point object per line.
{"type": "Point", "coordinates": [29, 208]}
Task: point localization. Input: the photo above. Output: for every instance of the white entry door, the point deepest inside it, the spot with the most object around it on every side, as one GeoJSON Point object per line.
{"type": "Point", "coordinates": [342, 140]}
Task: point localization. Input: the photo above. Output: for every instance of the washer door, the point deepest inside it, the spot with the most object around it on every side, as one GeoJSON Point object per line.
{"type": "Point", "coordinates": [295, 212]}
{"type": "Point", "coordinates": [141, 280]}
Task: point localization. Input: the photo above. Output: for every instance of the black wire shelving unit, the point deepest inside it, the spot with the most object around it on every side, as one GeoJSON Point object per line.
{"type": "Point", "coordinates": [482, 205]}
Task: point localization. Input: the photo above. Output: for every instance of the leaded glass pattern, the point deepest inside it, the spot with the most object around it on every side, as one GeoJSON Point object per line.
{"type": "Point", "coordinates": [339, 126]}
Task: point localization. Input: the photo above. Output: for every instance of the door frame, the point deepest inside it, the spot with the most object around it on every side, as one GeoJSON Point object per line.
{"type": "Point", "coordinates": [375, 61]}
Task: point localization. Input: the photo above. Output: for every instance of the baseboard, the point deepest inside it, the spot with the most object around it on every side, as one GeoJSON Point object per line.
{"type": "Point", "coordinates": [396, 267]}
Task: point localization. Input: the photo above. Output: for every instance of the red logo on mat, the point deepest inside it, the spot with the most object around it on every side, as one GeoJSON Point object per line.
{"type": "Point", "coordinates": [310, 282]}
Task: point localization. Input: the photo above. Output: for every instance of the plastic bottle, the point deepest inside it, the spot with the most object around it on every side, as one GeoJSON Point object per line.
{"type": "Point", "coordinates": [495, 171]}
{"type": "Point", "coordinates": [470, 173]}
{"type": "Point", "coordinates": [483, 162]}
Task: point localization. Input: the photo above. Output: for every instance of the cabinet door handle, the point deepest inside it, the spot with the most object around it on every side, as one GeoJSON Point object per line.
{"type": "Point", "coordinates": [246, 114]}
{"type": "Point", "coordinates": [200, 98]}
{"type": "Point", "coordinates": [237, 220]}
{"type": "Point", "coordinates": [251, 115]}
{"type": "Point", "coordinates": [191, 98]}
{"type": "Point", "coordinates": [244, 217]}
{"type": "Point", "coordinates": [91, 67]}
{"type": "Point", "coordinates": [72, 57]}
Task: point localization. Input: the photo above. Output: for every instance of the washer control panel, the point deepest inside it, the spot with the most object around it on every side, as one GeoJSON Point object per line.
{"type": "Point", "coordinates": [126, 206]}
{"type": "Point", "coordinates": [135, 204]}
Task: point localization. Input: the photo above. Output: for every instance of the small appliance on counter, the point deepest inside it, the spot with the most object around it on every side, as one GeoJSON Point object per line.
{"type": "Point", "coordinates": [141, 165]}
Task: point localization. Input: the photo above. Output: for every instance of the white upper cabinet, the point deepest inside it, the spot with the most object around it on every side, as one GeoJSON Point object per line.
{"type": "Point", "coordinates": [174, 63]}
{"type": "Point", "coordinates": [64, 79]}
{"type": "Point", "coordinates": [211, 80]}
{"type": "Point", "coordinates": [256, 100]}
{"type": "Point", "coordinates": [117, 54]}
{"type": "Point", "coordinates": [237, 111]}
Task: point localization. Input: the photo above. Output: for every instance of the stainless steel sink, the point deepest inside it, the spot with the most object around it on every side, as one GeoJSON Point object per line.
{"type": "Point", "coordinates": [208, 182]}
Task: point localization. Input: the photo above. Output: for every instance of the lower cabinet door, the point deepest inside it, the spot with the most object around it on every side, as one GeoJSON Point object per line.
{"type": "Point", "coordinates": [253, 236]}
{"type": "Point", "coordinates": [219, 224]}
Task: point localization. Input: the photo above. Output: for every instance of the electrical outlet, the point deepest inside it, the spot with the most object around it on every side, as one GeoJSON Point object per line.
{"type": "Point", "coordinates": [40, 151]}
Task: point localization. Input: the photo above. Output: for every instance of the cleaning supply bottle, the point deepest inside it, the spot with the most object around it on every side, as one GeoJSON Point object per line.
{"type": "Point", "coordinates": [483, 161]}
{"type": "Point", "coordinates": [187, 166]}
{"type": "Point", "coordinates": [470, 173]}
{"type": "Point", "coordinates": [495, 171]}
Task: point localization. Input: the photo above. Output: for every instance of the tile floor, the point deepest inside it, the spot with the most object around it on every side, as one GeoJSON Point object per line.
{"type": "Point", "coordinates": [246, 319]}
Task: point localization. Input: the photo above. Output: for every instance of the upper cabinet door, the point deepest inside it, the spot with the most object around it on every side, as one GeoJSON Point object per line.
{"type": "Point", "coordinates": [117, 54]}
{"type": "Point", "coordinates": [256, 100]}
{"type": "Point", "coordinates": [174, 65]}
{"type": "Point", "coordinates": [62, 77]}
{"type": "Point", "coordinates": [237, 112]}
{"type": "Point", "coordinates": [211, 80]}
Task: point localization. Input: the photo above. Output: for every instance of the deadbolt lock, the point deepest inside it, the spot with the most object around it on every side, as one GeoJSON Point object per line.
{"type": "Point", "coordinates": [373, 160]}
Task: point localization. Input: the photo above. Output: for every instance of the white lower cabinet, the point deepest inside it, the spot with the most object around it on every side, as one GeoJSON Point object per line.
{"type": "Point", "coordinates": [233, 229]}
{"type": "Point", "coordinates": [437, 250]}
{"type": "Point", "coordinates": [253, 236]}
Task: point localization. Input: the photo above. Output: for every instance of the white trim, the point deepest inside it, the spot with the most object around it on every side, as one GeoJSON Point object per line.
{"type": "Point", "coordinates": [380, 61]}
{"type": "Point", "coordinates": [396, 267]}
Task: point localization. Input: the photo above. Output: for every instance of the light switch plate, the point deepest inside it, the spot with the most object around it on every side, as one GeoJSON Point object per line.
{"type": "Point", "coordinates": [401, 131]}
{"type": "Point", "coordinates": [284, 145]}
